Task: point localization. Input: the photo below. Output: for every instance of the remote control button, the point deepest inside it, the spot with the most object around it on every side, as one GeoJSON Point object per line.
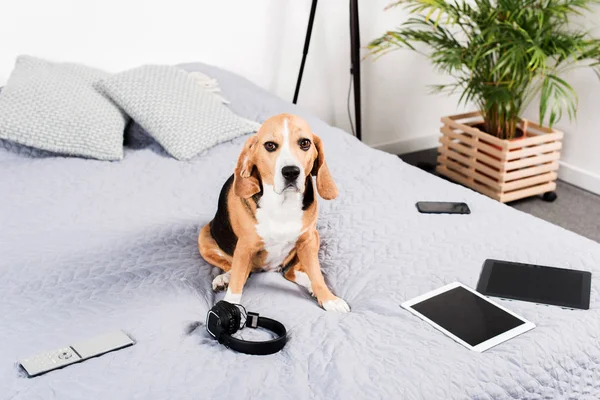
{"type": "Point", "coordinates": [65, 355]}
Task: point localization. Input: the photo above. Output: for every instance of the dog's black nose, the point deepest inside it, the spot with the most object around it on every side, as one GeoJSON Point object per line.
{"type": "Point", "coordinates": [290, 172]}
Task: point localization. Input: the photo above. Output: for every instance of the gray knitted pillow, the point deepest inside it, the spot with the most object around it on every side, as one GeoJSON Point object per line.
{"type": "Point", "coordinates": [55, 107]}
{"type": "Point", "coordinates": [178, 113]}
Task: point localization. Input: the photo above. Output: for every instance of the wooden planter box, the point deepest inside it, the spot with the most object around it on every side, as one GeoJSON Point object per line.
{"type": "Point", "coordinates": [504, 170]}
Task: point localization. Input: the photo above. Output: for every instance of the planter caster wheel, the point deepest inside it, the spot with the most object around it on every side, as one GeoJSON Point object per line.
{"type": "Point", "coordinates": [549, 197]}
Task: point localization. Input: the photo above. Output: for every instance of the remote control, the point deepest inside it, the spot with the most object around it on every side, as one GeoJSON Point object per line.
{"type": "Point", "coordinates": [46, 362]}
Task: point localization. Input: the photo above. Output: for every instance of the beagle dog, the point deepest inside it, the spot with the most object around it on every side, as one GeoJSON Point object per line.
{"type": "Point", "coordinates": [266, 218]}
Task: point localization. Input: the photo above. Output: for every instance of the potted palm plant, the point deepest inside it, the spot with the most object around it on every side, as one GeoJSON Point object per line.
{"type": "Point", "coordinates": [501, 54]}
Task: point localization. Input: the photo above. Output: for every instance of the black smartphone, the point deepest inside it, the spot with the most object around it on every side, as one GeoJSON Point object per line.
{"type": "Point", "coordinates": [441, 207]}
{"type": "Point", "coordinates": [536, 283]}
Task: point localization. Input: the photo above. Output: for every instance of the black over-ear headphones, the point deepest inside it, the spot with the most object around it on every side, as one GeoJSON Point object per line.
{"type": "Point", "coordinates": [224, 319]}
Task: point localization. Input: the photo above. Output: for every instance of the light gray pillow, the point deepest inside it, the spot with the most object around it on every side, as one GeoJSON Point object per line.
{"type": "Point", "coordinates": [55, 107]}
{"type": "Point", "coordinates": [178, 113]}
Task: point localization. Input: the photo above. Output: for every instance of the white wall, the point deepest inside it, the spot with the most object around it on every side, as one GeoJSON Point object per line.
{"type": "Point", "coordinates": [260, 39]}
{"type": "Point", "coordinates": [263, 40]}
{"type": "Point", "coordinates": [580, 163]}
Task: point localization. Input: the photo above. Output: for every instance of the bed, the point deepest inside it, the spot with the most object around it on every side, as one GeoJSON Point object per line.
{"type": "Point", "coordinates": [89, 246]}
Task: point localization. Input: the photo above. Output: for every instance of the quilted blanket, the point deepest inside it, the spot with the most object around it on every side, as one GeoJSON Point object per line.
{"type": "Point", "coordinates": [89, 246]}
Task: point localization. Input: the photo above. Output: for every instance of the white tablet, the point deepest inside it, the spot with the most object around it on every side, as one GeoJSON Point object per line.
{"type": "Point", "coordinates": [467, 316]}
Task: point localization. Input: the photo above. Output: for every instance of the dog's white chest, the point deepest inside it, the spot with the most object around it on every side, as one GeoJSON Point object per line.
{"type": "Point", "coordinates": [279, 223]}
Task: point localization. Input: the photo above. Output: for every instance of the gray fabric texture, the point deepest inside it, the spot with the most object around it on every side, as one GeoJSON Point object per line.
{"type": "Point", "coordinates": [89, 247]}
{"type": "Point", "coordinates": [183, 117]}
{"type": "Point", "coordinates": [55, 107]}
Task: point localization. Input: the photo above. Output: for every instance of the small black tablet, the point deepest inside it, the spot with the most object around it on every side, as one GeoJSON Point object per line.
{"type": "Point", "coordinates": [536, 283]}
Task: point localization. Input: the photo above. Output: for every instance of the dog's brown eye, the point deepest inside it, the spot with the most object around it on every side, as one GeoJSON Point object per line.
{"type": "Point", "coordinates": [304, 144]}
{"type": "Point", "coordinates": [270, 146]}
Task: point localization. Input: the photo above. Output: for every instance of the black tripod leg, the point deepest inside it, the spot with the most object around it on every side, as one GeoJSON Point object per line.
{"type": "Point", "coordinates": [355, 61]}
{"type": "Point", "coordinates": [311, 19]}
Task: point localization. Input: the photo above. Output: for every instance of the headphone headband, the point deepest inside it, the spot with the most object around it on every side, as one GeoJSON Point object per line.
{"type": "Point", "coordinates": [224, 319]}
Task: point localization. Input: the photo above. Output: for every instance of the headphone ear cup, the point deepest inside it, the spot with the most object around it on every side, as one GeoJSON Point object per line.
{"type": "Point", "coordinates": [234, 326]}
{"type": "Point", "coordinates": [234, 322]}
{"type": "Point", "coordinates": [229, 316]}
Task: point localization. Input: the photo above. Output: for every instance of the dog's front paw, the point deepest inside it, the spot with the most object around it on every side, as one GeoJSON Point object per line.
{"type": "Point", "coordinates": [336, 304]}
{"type": "Point", "coordinates": [221, 282]}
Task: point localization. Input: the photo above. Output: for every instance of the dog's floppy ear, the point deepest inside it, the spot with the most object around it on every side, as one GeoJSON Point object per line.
{"type": "Point", "coordinates": [325, 185]}
{"type": "Point", "coordinates": [245, 183]}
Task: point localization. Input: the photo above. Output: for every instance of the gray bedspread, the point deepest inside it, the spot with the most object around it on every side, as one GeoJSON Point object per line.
{"type": "Point", "coordinates": [89, 246]}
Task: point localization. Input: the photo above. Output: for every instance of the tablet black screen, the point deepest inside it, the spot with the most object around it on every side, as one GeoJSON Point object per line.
{"type": "Point", "coordinates": [467, 316]}
{"type": "Point", "coordinates": [535, 283]}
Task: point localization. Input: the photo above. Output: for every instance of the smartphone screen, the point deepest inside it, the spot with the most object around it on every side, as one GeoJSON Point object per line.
{"type": "Point", "coordinates": [441, 207]}
{"type": "Point", "coordinates": [536, 283]}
